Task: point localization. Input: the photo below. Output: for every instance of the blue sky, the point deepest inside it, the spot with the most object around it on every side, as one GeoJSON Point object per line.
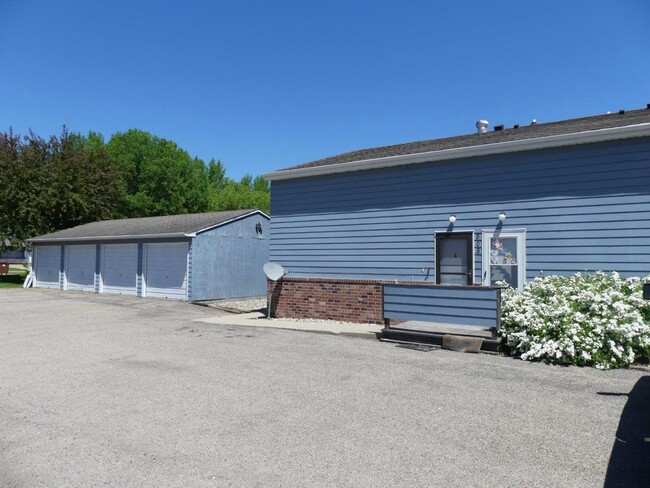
{"type": "Point", "coordinates": [264, 85]}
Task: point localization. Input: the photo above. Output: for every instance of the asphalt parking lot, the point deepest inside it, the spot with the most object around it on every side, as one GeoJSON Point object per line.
{"type": "Point", "coordinates": [99, 390]}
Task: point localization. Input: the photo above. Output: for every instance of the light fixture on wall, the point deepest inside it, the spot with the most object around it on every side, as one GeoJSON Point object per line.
{"type": "Point", "coordinates": [452, 219]}
{"type": "Point", "coordinates": [502, 216]}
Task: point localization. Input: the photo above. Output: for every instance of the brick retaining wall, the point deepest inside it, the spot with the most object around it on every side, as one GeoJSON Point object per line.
{"type": "Point", "coordinates": [316, 298]}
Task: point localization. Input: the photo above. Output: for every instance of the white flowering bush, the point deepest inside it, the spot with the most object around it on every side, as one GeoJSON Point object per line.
{"type": "Point", "coordinates": [595, 319]}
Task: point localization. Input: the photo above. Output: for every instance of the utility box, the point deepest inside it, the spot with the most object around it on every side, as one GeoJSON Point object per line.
{"type": "Point", "coordinates": [4, 268]}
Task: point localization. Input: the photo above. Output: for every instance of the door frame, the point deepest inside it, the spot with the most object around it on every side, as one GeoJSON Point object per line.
{"type": "Point", "coordinates": [520, 235]}
{"type": "Point", "coordinates": [469, 234]}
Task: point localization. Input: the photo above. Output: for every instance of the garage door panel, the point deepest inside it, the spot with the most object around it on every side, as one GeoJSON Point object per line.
{"type": "Point", "coordinates": [47, 262]}
{"type": "Point", "coordinates": [119, 268]}
{"type": "Point", "coordinates": [80, 267]}
{"type": "Point", "coordinates": [166, 270]}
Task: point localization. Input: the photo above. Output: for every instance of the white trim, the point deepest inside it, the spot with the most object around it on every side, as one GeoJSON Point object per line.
{"type": "Point", "coordinates": [101, 268]}
{"type": "Point", "coordinates": [143, 286]}
{"type": "Point", "coordinates": [107, 238]}
{"type": "Point", "coordinates": [194, 233]}
{"type": "Point", "coordinates": [145, 258]}
{"type": "Point", "coordinates": [520, 235]}
{"type": "Point", "coordinates": [598, 135]}
{"type": "Point", "coordinates": [65, 267]}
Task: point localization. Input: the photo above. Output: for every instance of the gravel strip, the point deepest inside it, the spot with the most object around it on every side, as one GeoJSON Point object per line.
{"type": "Point", "coordinates": [319, 321]}
{"type": "Point", "coordinates": [240, 305]}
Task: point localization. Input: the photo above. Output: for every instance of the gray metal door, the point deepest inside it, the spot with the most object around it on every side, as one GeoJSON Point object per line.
{"type": "Point", "coordinates": [454, 258]}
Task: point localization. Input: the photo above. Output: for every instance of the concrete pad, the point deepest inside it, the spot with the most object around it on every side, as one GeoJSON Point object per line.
{"type": "Point", "coordinates": [257, 319]}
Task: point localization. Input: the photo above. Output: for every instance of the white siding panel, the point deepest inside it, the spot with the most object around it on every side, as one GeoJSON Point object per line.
{"type": "Point", "coordinates": [165, 270]}
{"type": "Point", "coordinates": [80, 267]}
{"type": "Point", "coordinates": [47, 261]}
{"type": "Point", "coordinates": [119, 268]}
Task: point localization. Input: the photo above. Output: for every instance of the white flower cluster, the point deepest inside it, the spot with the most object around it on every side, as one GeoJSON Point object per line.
{"type": "Point", "coordinates": [595, 319]}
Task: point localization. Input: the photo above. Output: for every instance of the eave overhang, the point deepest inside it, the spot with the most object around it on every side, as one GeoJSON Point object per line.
{"type": "Point", "coordinates": [586, 137]}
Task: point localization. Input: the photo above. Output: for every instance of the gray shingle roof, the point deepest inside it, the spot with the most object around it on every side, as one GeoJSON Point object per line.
{"type": "Point", "coordinates": [154, 227]}
{"type": "Point", "coordinates": [569, 126]}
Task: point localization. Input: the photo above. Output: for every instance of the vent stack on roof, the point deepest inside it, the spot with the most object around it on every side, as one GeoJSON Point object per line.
{"type": "Point", "coordinates": [482, 126]}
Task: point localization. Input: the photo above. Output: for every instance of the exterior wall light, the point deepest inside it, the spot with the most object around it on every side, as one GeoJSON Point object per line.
{"type": "Point", "coordinates": [502, 216]}
{"type": "Point", "coordinates": [452, 219]}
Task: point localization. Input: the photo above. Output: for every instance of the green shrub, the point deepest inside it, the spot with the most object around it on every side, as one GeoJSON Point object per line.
{"type": "Point", "coordinates": [595, 319]}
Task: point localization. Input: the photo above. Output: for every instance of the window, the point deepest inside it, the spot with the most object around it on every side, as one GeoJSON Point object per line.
{"type": "Point", "coordinates": [504, 258]}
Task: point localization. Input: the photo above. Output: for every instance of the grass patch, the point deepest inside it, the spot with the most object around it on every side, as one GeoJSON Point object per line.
{"type": "Point", "coordinates": [13, 280]}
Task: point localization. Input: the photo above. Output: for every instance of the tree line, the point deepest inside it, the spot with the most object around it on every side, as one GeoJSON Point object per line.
{"type": "Point", "coordinates": [49, 184]}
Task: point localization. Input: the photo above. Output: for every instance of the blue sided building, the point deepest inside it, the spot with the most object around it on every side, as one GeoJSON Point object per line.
{"type": "Point", "coordinates": [505, 204]}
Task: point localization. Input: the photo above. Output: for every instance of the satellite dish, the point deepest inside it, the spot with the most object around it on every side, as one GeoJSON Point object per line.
{"type": "Point", "coordinates": [274, 271]}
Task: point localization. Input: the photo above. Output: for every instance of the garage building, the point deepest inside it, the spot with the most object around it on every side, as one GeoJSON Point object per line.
{"type": "Point", "coordinates": [187, 257]}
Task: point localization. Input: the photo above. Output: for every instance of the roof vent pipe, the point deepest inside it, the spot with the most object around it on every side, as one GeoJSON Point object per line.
{"type": "Point", "coordinates": [482, 126]}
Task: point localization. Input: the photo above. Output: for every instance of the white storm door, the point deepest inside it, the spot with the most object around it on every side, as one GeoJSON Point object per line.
{"type": "Point", "coordinates": [165, 270]}
{"type": "Point", "coordinates": [119, 268]}
{"type": "Point", "coordinates": [47, 264]}
{"type": "Point", "coordinates": [80, 267]}
{"type": "Point", "coordinates": [504, 258]}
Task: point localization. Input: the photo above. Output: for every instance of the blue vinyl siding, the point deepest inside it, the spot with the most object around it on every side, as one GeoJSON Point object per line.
{"type": "Point", "coordinates": [583, 207]}
{"type": "Point", "coordinates": [227, 262]}
{"type": "Point", "coordinates": [476, 306]}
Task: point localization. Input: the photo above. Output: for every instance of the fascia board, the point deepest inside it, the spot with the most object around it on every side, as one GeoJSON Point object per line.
{"type": "Point", "coordinates": [254, 212]}
{"type": "Point", "coordinates": [37, 240]}
{"type": "Point", "coordinates": [598, 135]}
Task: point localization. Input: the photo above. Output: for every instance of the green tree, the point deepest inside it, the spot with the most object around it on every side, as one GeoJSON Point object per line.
{"type": "Point", "coordinates": [217, 175]}
{"type": "Point", "coordinates": [48, 185]}
{"type": "Point", "coordinates": [240, 195]}
{"type": "Point", "coordinates": [161, 178]}
{"type": "Point", "coordinates": [246, 182]}
{"type": "Point", "coordinates": [261, 185]}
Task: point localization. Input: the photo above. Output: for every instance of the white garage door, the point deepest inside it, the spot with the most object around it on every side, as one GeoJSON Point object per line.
{"type": "Point", "coordinates": [165, 270]}
{"type": "Point", "coordinates": [119, 268]}
{"type": "Point", "coordinates": [47, 261]}
{"type": "Point", "coordinates": [80, 267]}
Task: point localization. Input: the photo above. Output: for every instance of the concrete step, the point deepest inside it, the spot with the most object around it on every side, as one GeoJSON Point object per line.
{"type": "Point", "coordinates": [463, 343]}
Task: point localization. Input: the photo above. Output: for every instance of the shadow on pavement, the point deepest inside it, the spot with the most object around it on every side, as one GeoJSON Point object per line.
{"type": "Point", "coordinates": [629, 462]}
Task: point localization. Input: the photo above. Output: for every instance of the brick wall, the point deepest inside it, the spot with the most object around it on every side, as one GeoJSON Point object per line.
{"type": "Point", "coordinates": [314, 298]}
